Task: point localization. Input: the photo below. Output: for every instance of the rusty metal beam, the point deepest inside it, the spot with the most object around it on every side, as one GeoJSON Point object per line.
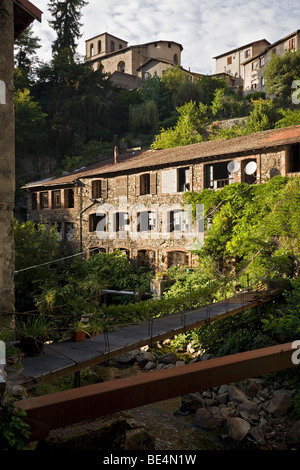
{"type": "Point", "coordinates": [92, 401]}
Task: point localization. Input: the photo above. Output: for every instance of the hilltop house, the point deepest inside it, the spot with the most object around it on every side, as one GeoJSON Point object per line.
{"type": "Point", "coordinates": [245, 65]}
{"type": "Point", "coordinates": [134, 202]}
{"type": "Point", "coordinates": [129, 65]}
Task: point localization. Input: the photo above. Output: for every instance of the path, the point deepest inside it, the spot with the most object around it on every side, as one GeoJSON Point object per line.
{"type": "Point", "coordinates": [66, 357]}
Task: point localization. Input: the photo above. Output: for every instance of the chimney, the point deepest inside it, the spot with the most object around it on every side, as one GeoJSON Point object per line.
{"type": "Point", "coordinates": [116, 154]}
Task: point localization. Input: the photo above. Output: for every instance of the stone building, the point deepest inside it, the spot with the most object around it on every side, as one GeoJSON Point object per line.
{"type": "Point", "coordinates": [232, 62]}
{"type": "Point", "coordinates": [134, 202]}
{"type": "Point", "coordinates": [254, 67]}
{"type": "Point", "coordinates": [125, 64]}
{"type": "Point", "coordinates": [245, 65]}
{"type": "Point", "coordinates": [15, 17]}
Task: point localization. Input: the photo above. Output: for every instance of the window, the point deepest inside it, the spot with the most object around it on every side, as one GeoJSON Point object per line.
{"type": "Point", "coordinates": [99, 47]}
{"type": "Point", "coordinates": [70, 231]}
{"type": "Point", "coordinates": [247, 53]}
{"type": "Point", "coordinates": [262, 81]}
{"type": "Point", "coordinates": [91, 50]}
{"type": "Point", "coordinates": [121, 67]}
{"type": "Point", "coordinates": [176, 180]}
{"type": "Point", "coordinates": [254, 65]}
{"type": "Point", "coordinates": [175, 59]}
{"type": "Point", "coordinates": [99, 189]}
{"type": "Point", "coordinates": [262, 61]}
{"type": "Point", "coordinates": [56, 199]}
{"type": "Point", "coordinates": [292, 44]}
{"type": "Point", "coordinates": [274, 50]}
{"type": "Point", "coordinates": [44, 200]}
{"type": "Point", "coordinates": [97, 222]}
{"type": "Point", "coordinates": [217, 175]}
{"type": "Point", "coordinates": [184, 179]}
{"type": "Point", "coordinates": [146, 258]}
{"type": "Point", "coordinates": [121, 222]}
{"type": "Point", "coordinates": [34, 201]}
{"type": "Point", "coordinates": [229, 60]}
{"type": "Point", "coordinates": [294, 158]}
{"type": "Point", "coordinates": [145, 184]}
{"type": "Point", "coordinates": [112, 46]}
{"type": "Point", "coordinates": [178, 221]}
{"type": "Point", "coordinates": [69, 198]}
{"type": "Point", "coordinates": [146, 221]}
{"type": "Point", "coordinates": [253, 84]}
{"type": "Point", "coordinates": [177, 258]}
{"type": "Point", "coordinates": [94, 250]}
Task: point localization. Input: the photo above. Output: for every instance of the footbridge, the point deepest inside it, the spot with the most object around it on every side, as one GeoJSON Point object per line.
{"type": "Point", "coordinates": [79, 404]}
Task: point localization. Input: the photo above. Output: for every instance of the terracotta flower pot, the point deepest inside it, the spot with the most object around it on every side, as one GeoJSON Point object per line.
{"type": "Point", "coordinates": [78, 336]}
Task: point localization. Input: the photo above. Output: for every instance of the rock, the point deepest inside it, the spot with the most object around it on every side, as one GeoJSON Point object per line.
{"type": "Point", "coordinates": [293, 433]}
{"type": "Point", "coordinates": [127, 358]}
{"type": "Point", "coordinates": [191, 402]}
{"type": "Point", "coordinates": [254, 386]}
{"type": "Point", "coordinates": [223, 398]}
{"type": "Point", "coordinates": [169, 358]}
{"type": "Point", "coordinates": [249, 411]}
{"type": "Point", "coordinates": [139, 439]}
{"type": "Point", "coordinates": [19, 392]}
{"type": "Point", "coordinates": [150, 365]}
{"type": "Point", "coordinates": [237, 428]}
{"type": "Point", "coordinates": [206, 420]}
{"type": "Point", "coordinates": [142, 357]}
{"type": "Point", "coordinates": [223, 389]}
{"type": "Point", "coordinates": [179, 363]}
{"type": "Point", "coordinates": [281, 403]}
{"type": "Point", "coordinates": [258, 434]}
{"type": "Point", "coordinates": [236, 395]}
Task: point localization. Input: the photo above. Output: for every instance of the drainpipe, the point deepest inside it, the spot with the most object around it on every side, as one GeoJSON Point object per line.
{"type": "Point", "coordinates": [81, 212]}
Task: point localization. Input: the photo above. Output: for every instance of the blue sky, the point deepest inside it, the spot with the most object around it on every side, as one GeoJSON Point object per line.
{"type": "Point", "coordinates": [204, 28]}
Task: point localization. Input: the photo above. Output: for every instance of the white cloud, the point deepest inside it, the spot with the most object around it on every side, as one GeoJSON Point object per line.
{"type": "Point", "coordinates": [204, 28]}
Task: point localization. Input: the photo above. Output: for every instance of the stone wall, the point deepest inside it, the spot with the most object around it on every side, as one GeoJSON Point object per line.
{"type": "Point", "coordinates": [7, 163]}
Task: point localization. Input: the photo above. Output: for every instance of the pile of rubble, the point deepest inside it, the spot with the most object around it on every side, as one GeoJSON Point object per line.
{"type": "Point", "coordinates": [252, 412]}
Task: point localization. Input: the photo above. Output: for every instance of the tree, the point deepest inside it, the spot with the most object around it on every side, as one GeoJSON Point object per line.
{"type": "Point", "coordinates": [280, 73]}
{"type": "Point", "coordinates": [30, 123]}
{"type": "Point", "coordinates": [227, 104]}
{"type": "Point", "coordinates": [66, 15]}
{"type": "Point", "coordinates": [33, 246]}
{"type": "Point", "coordinates": [25, 49]}
{"type": "Point", "coordinates": [263, 116]}
{"type": "Point", "coordinates": [190, 128]}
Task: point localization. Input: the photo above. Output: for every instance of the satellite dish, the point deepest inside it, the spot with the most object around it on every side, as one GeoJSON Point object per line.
{"type": "Point", "coordinates": [233, 166]}
{"type": "Point", "coordinates": [250, 168]}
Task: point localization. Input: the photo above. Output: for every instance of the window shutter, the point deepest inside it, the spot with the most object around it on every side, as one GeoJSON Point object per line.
{"type": "Point", "coordinates": [121, 186]}
{"type": "Point", "coordinates": [137, 185]}
{"type": "Point", "coordinates": [152, 183]}
{"type": "Point", "coordinates": [104, 188]}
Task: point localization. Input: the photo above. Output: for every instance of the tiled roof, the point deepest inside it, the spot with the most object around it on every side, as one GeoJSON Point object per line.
{"type": "Point", "coordinates": [150, 159]}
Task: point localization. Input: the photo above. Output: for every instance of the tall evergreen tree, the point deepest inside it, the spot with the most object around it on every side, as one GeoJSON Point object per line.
{"type": "Point", "coordinates": [66, 16]}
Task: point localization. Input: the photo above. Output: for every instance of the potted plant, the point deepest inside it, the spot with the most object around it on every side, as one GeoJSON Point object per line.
{"type": "Point", "coordinates": [33, 332]}
{"type": "Point", "coordinates": [79, 330]}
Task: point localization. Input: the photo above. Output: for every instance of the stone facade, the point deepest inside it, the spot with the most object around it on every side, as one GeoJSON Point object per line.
{"type": "Point", "coordinates": [116, 56]}
{"type": "Point", "coordinates": [14, 18]}
{"type": "Point", "coordinates": [246, 64]}
{"type": "Point", "coordinates": [135, 202]}
{"type": "Point", "coordinates": [231, 62]}
{"type": "Point", "coordinates": [254, 68]}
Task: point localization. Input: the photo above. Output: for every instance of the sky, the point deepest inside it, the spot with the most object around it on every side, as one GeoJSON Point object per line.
{"type": "Point", "coordinates": [204, 28]}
